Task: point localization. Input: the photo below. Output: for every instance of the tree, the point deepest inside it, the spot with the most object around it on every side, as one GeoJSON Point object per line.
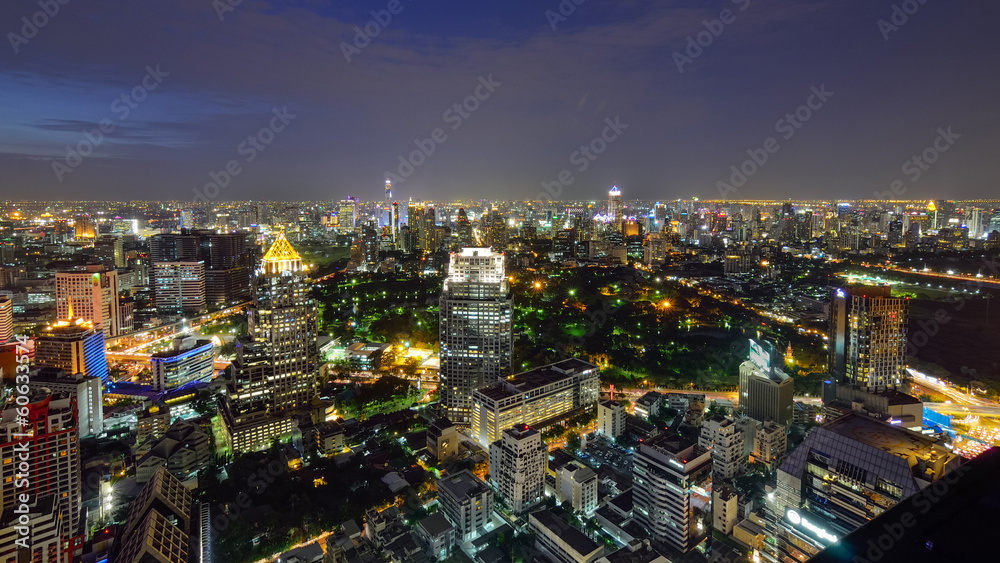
{"type": "Point", "coordinates": [573, 441]}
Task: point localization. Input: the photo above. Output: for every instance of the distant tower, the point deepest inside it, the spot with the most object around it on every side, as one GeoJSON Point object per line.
{"type": "Point", "coordinates": [867, 334]}
{"type": "Point", "coordinates": [615, 208]}
{"type": "Point", "coordinates": [388, 202]}
{"type": "Point", "coordinates": [395, 225]}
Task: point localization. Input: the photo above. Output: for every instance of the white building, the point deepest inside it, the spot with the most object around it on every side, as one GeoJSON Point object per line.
{"type": "Point", "coordinates": [611, 418]}
{"type": "Point", "coordinates": [518, 463]}
{"type": "Point", "coordinates": [188, 360]}
{"type": "Point", "coordinates": [88, 391]}
{"type": "Point", "coordinates": [467, 503]}
{"type": "Point", "coordinates": [725, 439]}
{"type": "Point", "coordinates": [180, 286]}
{"type": "Point", "coordinates": [561, 542]}
{"type": "Point", "coordinates": [577, 484]}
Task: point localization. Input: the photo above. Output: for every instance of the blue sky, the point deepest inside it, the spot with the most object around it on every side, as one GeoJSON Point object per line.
{"type": "Point", "coordinates": [606, 60]}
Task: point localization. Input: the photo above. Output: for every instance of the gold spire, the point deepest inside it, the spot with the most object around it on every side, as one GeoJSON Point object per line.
{"type": "Point", "coordinates": [69, 316]}
{"type": "Point", "coordinates": [281, 257]}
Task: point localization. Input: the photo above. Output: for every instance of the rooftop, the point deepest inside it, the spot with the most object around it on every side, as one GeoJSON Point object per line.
{"type": "Point", "coordinates": [560, 528]}
{"type": "Point", "coordinates": [462, 485]}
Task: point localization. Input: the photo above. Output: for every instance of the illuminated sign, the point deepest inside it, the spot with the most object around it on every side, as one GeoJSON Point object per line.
{"type": "Point", "coordinates": [840, 293]}
{"type": "Point", "coordinates": [799, 520]}
{"type": "Point", "coordinates": [760, 356]}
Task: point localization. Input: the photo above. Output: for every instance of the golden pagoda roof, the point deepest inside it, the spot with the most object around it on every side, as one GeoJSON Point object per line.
{"type": "Point", "coordinates": [281, 250]}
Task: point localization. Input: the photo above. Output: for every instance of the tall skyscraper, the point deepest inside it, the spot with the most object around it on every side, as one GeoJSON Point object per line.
{"type": "Point", "coordinates": [180, 286]}
{"type": "Point", "coordinates": [93, 291]}
{"type": "Point", "coordinates": [666, 471]}
{"type": "Point", "coordinates": [475, 328]}
{"type": "Point", "coordinates": [73, 345]}
{"type": "Point", "coordinates": [347, 215]}
{"type": "Point", "coordinates": [53, 468]}
{"type": "Point", "coordinates": [615, 209]}
{"type": "Point", "coordinates": [518, 462]}
{"type": "Point", "coordinates": [867, 334]}
{"type": "Point", "coordinates": [766, 392]}
{"type": "Point", "coordinates": [974, 221]}
{"type": "Point", "coordinates": [275, 367]}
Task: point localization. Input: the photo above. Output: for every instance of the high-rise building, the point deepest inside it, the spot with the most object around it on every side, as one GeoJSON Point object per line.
{"type": "Point", "coordinates": [466, 502]}
{"type": "Point", "coordinates": [518, 462]}
{"type": "Point", "coordinates": [867, 334]}
{"type": "Point", "coordinates": [725, 439]}
{"type": "Point", "coordinates": [347, 215]}
{"type": "Point", "coordinates": [766, 392]}
{"type": "Point", "coordinates": [188, 360]}
{"type": "Point", "coordinates": [666, 472]}
{"type": "Point", "coordinates": [974, 220]}
{"type": "Point", "coordinates": [162, 525]}
{"type": "Point", "coordinates": [615, 209]}
{"type": "Point", "coordinates": [92, 294]}
{"type": "Point", "coordinates": [86, 391]}
{"type": "Point", "coordinates": [611, 418]}
{"type": "Point", "coordinates": [276, 365]}
{"type": "Point", "coordinates": [842, 476]}
{"type": "Point", "coordinates": [577, 484]}
{"type": "Point", "coordinates": [534, 397]}
{"type": "Point", "coordinates": [180, 287]}
{"type": "Point", "coordinates": [770, 442]}
{"type": "Point", "coordinates": [47, 533]}
{"type": "Point", "coordinates": [73, 345]}
{"type": "Point", "coordinates": [50, 440]}
{"type": "Point", "coordinates": [6, 318]}
{"type": "Point", "coordinates": [476, 329]}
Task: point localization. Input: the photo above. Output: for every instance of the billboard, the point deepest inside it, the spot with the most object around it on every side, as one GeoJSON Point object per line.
{"type": "Point", "coordinates": [760, 355]}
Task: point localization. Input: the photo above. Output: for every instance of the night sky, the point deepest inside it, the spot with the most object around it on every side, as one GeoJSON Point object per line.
{"type": "Point", "coordinates": [221, 81]}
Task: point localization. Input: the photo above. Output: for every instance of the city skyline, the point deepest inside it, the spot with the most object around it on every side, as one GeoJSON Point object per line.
{"type": "Point", "coordinates": [332, 118]}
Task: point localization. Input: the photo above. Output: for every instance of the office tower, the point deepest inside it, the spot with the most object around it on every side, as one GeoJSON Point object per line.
{"type": "Point", "coordinates": [52, 445]}
{"type": "Point", "coordinates": [666, 471]}
{"type": "Point", "coordinates": [518, 462]}
{"type": "Point", "coordinates": [87, 392]}
{"type": "Point", "coordinates": [867, 332]}
{"type": "Point", "coordinates": [466, 502]}
{"type": "Point", "coordinates": [92, 294]}
{"type": "Point", "coordinates": [974, 221]}
{"type": "Point", "coordinates": [464, 229]}
{"type": "Point", "coordinates": [770, 442]}
{"type": "Point", "coordinates": [414, 219]}
{"type": "Point", "coordinates": [347, 215]}
{"type": "Point", "coordinates": [73, 345]}
{"type": "Point", "coordinates": [725, 439]}
{"type": "Point", "coordinates": [228, 260]}
{"type": "Point", "coordinates": [276, 364]}
{"type": "Point", "coordinates": [845, 474]}
{"type": "Point", "coordinates": [428, 222]}
{"type": "Point", "coordinates": [187, 361]}
{"type": "Point", "coordinates": [6, 318]}
{"type": "Point", "coordinates": [171, 247]}
{"type": "Point", "coordinates": [615, 209]}
{"type": "Point", "coordinates": [395, 226]}
{"type": "Point", "coordinates": [577, 484]}
{"type": "Point", "coordinates": [162, 525]}
{"type": "Point", "coordinates": [84, 227]}
{"type": "Point", "coordinates": [180, 287]}
{"type": "Point", "coordinates": [611, 419]}
{"type": "Point", "coordinates": [496, 234]}
{"type": "Point", "coordinates": [536, 396]}
{"type": "Point", "coordinates": [386, 219]}
{"type": "Point", "coordinates": [766, 392]}
{"type": "Point", "coordinates": [475, 328]}
{"type": "Point", "coordinates": [558, 541]}
{"type": "Point", "coordinates": [110, 251]}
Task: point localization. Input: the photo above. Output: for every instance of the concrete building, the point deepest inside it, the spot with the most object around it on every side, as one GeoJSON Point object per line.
{"type": "Point", "coordinates": [86, 390]}
{"type": "Point", "coordinates": [867, 331]}
{"type": "Point", "coordinates": [650, 404]}
{"type": "Point", "coordinates": [766, 394]}
{"type": "Point", "coordinates": [770, 442]}
{"type": "Point", "coordinates": [611, 418]}
{"type": "Point", "coordinates": [188, 361]}
{"type": "Point", "coordinates": [559, 541]}
{"type": "Point", "coordinates": [476, 333]}
{"type": "Point", "coordinates": [90, 293]}
{"type": "Point", "coordinates": [725, 508]}
{"type": "Point", "coordinates": [75, 346]}
{"type": "Point", "coordinates": [666, 472]}
{"type": "Point", "coordinates": [151, 424]}
{"type": "Point", "coordinates": [46, 537]}
{"type": "Point", "coordinates": [438, 535]}
{"type": "Point", "coordinates": [180, 287]}
{"type": "Point", "coordinates": [443, 439]}
{"type": "Point", "coordinates": [577, 484]}
{"type": "Point", "coordinates": [6, 318]}
{"type": "Point", "coordinates": [329, 438]}
{"type": "Point", "coordinates": [161, 525]}
{"type": "Point", "coordinates": [534, 397]}
{"type": "Point", "coordinates": [183, 450]}
{"type": "Point", "coordinates": [467, 503]}
{"type": "Point", "coordinates": [518, 462]}
{"type": "Point", "coordinates": [725, 439]}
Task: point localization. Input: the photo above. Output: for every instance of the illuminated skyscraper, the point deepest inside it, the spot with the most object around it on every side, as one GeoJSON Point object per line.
{"type": "Point", "coordinates": [275, 367]}
{"type": "Point", "coordinates": [73, 345]}
{"type": "Point", "coordinates": [615, 208]}
{"type": "Point", "coordinates": [93, 291]}
{"type": "Point", "coordinates": [475, 328]}
{"type": "Point", "coordinates": [867, 337]}
{"type": "Point", "coordinates": [6, 318]}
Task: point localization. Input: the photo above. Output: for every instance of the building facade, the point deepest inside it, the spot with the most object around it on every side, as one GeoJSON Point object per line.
{"type": "Point", "coordinates": [467, 503]}
{"type": "Point", "coordinates": [180, 287]}
{"type": "Point", "coordinates": [476, 333]}
{"type": "Point", "coordinates": [611, 418]}
{"type": "Point", "coordinates": [518, 462]}
{"type": "Point", "coordinates": [766, 394]}
{"type": "Point", "coordinates": [189, 360]}
{"type": "Point", "coordinates": [75, 346]}
{"type": "Point", "coordinates": [867, 331]}
{"type": "Point", "coordinates": [90, 293]}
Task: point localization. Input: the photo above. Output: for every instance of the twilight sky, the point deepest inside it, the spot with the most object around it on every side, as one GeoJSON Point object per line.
{"type": "Point", "coordinates": [336, 127]}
